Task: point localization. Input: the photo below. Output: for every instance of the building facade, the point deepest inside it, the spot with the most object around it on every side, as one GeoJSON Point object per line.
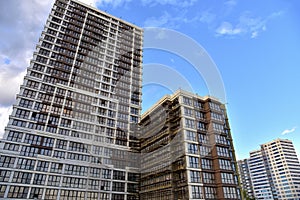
{"type": "Point", "coordinates": [263, 187]}
{"type": "Point", "coordinates": [69, 135]}
{"type": "Point", "coordinates": [275, 168]}
{"type": "Point", "coordinates": [245, 179]}
{"type": "Point", "coordinates": [284, 167]}
{"type": "Point", "coordinates": [187, 150]}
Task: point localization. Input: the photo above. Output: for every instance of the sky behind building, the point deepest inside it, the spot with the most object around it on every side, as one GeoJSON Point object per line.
{"type": "Point", "coordinates": [254, 45]}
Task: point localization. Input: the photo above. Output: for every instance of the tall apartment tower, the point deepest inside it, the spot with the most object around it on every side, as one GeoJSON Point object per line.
{"type": "Point", "coordinates": [263, 187]}
{"type": "Point", "coordinates": [245, 178]}
{"type": "Point", "coordinates": [282, 169]}
{"type": "Point", "coordinates": [69, 134]}
{"type": "Point", "coordinates": [187, 150]}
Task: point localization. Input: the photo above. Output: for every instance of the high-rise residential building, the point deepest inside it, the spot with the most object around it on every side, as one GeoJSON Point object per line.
{"type": "Point", "coordinates": [69, 134]}
{"type": "Point", "coordinates": [245, 179]}
{"type": "Point", "coordinates": [260, 176]}
{"type": "Point", "coordinates": [284, 167]}
{"type": "Point", "coordinates": [275, 171]}
{"type": "Point", "coordinates": [187, 150]}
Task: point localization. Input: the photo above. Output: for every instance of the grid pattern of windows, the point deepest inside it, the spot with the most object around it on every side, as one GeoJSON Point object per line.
{"type": "Point", "coordinates": [197, 192]}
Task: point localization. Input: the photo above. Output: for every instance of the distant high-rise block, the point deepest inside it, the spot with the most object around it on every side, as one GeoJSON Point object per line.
{"type": "Point", "coordinates": [69, 134]}
{"type": "Point", "coordinates": [247, 189]}
{"type": "Point", "coordinates": [187, 150]}
{"type": "Point", "coordinates": [275, 171]}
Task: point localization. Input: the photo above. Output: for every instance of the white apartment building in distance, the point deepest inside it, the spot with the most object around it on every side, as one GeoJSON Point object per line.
{"type": "Point", "coordinates": [275, 171]}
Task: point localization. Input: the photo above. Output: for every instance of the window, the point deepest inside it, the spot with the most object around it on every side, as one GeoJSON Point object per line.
{"type": "Point", "coordinates": [19, 123]}
{"type": "Point", "coordinates": [227, 178]}
{"type": "Point", "coordinates": [29, 93]}
{"type": "Point", "coordinates": [192, 148]}
{"type": "Point", "coordinates": [118, 186]}
{"type": "Point", "coordinates": [74, 182]}
{"type": "Point", "coordinates": [203, 138]}
{"type": "Point", "coordinates": [94, 184]}
{"type": "Point", "coordinates": [36, 193]}
{"type": "Point", "coordinates": [225, 164]}
{"type": "Point", "coordinates": [24, 163]}
{"type": "Point", "coordinates": [117, 197]}
{"type": "Point", "coordinates": [11, 147]}
{"type": "Point", "coordinates": [197, 192]}
{"type": "Point", "coordinates": [191, 135]}
{"type": "Point", "coordinates": [189, 123]}
{"type": "Point", "coordinates": [106, 173]}
{"type": "Point", "coordinates": [22, 177]}
{"type": "Point", "coordinates": [118, 175]}
{"type": "Point", "coordinates": [59, 154]}
{"type": "Point", "coordinates": [206, 164]}
{"type": "Point", "coordinates": [187, 101]}
{"type": "Point", "coordinates": [71, 194]}
{"type": "Point", "coordinates": [133, 176]}
{"type": "Point", "coordinates": [218, 128]}
{"type": "Point", "coordinates": [195, 177]}
{"type": "Point", "coordinates": [61, 144]}
{"type": "Point", "coordinates": [95, 172]}
{"type": "Point", "coordinates": [54, 180]}
{"type": "Point", "coordinates": [205, 151]}
{"type": "Point", "coordinates": [6, 161]}
{"type": "Point", "coordinates": [2, 190]}
{"type": "Point", "coordinates": [105, 185]}
{"type": "Point", "coordinates": [25, 103]}
{"type": "Point", "coordinates": [56, 167]}
{"type": "Point", "coordinates": [199, 115]}
{"type": "Point", "coordinates": [221, 151]}
{"type": "Point", "coordinates": [32, 84]}
{"type": "Point", "coordinates": [201, 126]}
{"type": "Point", "coordinates": [193, 162]}
{"type": "Point", "coordinates": [42, 166]}
{"type": "Point", "coordinates": [4, 175]}
{"type": "Point", "coordinates": [230, 192]}
{"type": "Point", "coordinates": [214, 106]}
{"type": "Point", "coordinates": [208, 177]}
{"type": "Point", "coordinates": [22, 114]}
{"type": "Point", "coordinates": [188, 111]}
{"type": "Point", "coordinates": [39, 179]}
{"type": "Point", "coordinates": [210, 192]}
{"type": "Point", "coordinates": [220, 139]}
{"type": "Point", "coordinates": [18, 192]}
{"type": "Point", "coordinates": [51, 194]}
{"type": "Point", "coordinates": [29, 151]}
{"type": "Point", "coordinates": [76, 170]}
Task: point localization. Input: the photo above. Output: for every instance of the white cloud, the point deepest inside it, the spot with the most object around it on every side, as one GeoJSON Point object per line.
{"type": "Point", "coordinates": [168, 20]}
{"type": "Point", "coordinates": [287, 131]}
{"type": "Point", "coordinates": [21, 23]}
{"type": "Point", "coordinates": [163, 20]}
{"type": "Point", "coordinates": [101, 3]}
{"type": "Point", "coordinates": [177, 3]}
{"type": "Point", "coordinates": [226, 28]}
{"type": "Point", "coordinates": [254, 34]}
{"type": "Point", "coordinates": [247, 24]}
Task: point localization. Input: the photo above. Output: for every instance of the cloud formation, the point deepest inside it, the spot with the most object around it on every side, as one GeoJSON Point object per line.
{"type": "Point", "coordinates": [20, 26]}
{"type": "Point", "coordinates": [247, 24]}
{"type": "Point", "coordinates": [21, 23]}
{"type": "Point", "coordinates": [227, 28]}
{"type": "Point", "coordinates": [287, 131]}
{"type": "Point", "coordinates": [178, 3]}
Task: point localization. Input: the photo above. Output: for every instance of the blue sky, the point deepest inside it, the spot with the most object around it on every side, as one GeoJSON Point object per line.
{"type": "Point", "coordinates": [254, 45]}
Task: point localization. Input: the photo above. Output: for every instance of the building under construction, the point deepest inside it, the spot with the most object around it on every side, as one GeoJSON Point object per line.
{"type": "Point", "coordinates": [187, 150]}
